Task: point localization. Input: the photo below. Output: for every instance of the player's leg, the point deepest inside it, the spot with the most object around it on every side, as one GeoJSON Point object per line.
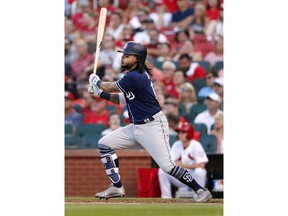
{"type": "Point", "coordinates": [119, 139]}
{"type": "Point", "coordinates": [154, 138]}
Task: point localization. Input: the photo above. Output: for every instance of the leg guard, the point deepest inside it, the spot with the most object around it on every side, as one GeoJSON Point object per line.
{"type": "Point", "coordinates": [111, 163]}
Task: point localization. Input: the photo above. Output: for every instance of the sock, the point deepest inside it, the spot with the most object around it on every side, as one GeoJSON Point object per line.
{"type": "Point", "coordinates": [185, 177]}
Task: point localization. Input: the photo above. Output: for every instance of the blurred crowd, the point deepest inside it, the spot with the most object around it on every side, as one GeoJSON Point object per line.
{"type": "Point", "coordinates": [184, 39]}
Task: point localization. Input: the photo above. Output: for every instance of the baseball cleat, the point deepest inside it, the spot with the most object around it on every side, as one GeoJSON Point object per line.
{"type": "Point", "coordinates": [111, 192]}
{"type": "Point", "coordinates": [203, 195]}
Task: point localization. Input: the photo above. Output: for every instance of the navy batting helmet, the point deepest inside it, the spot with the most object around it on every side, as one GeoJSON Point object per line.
{"type": "Point", "coordinates": [133, 48]}
{"type": "Point", "coordinates": [186, 127]}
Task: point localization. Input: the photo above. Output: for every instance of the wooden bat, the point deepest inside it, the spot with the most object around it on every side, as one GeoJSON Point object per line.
{"type": "Point", "coordinates": [100, 33]}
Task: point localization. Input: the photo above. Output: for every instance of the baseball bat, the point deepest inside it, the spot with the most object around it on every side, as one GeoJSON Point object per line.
{"type": "Point", "coordinates": [100, 33]}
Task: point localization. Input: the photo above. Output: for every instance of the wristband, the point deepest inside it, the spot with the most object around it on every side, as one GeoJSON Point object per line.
{"type": "Point", "coordinates": [105, 95]}
{"type": "Point", "coordinates": [99, 83]}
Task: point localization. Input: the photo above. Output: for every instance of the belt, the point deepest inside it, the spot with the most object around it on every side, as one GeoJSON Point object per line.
{"type": "Point", "coordinates": [150, 119]}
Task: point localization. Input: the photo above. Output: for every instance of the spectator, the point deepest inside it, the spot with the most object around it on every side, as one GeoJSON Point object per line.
{"type": "Point", "coordinates": [82, 6]}
{"type": "Point", "coordinates": [164, 53]}
{"type": "Point", "coordinates": [200, 22]}
{"type": "Point", "coordinates": [127, 34]}
{"type": "Point", "coordinates": [161, 17]}
{"type": "Point", "coordinates": [187, 100]}
{"type": "Point", "coordinates": [113, 122]}
{"type": "Point", "coordinates": [184, 45]}
{"type": "Point", "coordinates": [213, 9]}
{"type": "Point", "coordinates": [207, 117]}
{"type": "Point", "coordinates": [135, 13]}
{"type": "Point", "coordinates": [82, 65]}
{"type": "Point", "coordinates": [189, 49]}
{"type": "Point", "coordinates": [171, 105]}
{"type": "Point", "coordinates": [88, 99]}
{"type": "Point", "coordinates": [208, 89]}
{"type": "Point", "coordinates": [189, 154]}
{"type": "Point", "coordinates": [217, 55]}
{"type": "Point", "coordinates": [159, 88]}
{"type": "Point", "coordinates": [173, 121]}
{"type": "Point", "coordinates": [153, 45]}
{"type": "Point", "coordinates": [69, 29]}
{"type": "Point", "coordinates": [181, 36]}
{"type": "Point", "coordinates": [168, 69]}
{"type": "Point", "coordinates": [98, 114]}
{"type": "Point", "coordinates": [89, 30]}
{"type": "Point", "coordinates": [179, 80]}
{"type": "Point", "coordinates": [110, 9]}
{"type": "Point", "coordinates": [192, 69]}
{"type": "Point", "coordinates": [109, 58]}
{"type": "Point", "coordinates": [157, 74]}
{"type": "Point", "coordinates": [143, 35]}
{"type": "Point", "coordinates": [70, 55]}
{"type": "Point", "coordinates": [182, 18]}
{"type": "Point", "coordinates": [218, 87]}
{"type": "Point", "coordinates": [115, 26]}
{"type": "Point", "coordinates": [71, 116]}
{"type": "Point", "coordinates": [171, 5]}
{"type": "Point", "coordinates": [218, 131]}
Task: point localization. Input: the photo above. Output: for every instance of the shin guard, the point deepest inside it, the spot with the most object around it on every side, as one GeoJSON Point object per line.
{"type": "Point", "coordinates": [111, 164]}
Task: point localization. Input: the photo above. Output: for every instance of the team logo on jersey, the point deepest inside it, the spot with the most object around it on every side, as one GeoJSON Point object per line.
{"type": "Point", "coordinates": [187, 177]}
{"type": "Point", "coordinates": [130, 95]}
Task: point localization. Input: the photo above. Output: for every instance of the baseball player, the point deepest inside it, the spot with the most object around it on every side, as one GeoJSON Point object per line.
{"type": "Point", "coordinates": [148, 128]}
{"type": "Point", "coordinates": [187, 153]}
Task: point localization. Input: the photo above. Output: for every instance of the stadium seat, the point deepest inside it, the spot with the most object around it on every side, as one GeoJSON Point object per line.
{"type": "Point", "coordinates": [72, 141]}
{"type": "Point", "coordinates": [91, 140]}
{"type": "Point", "coordinates": [200, 100]}
{"type": "Point", "coordinates": [205, 65]}
{"type": "Point", "coordinates": [83, 129]}
{"type": "Point", "coordinates": [198, 84]}
{"type": "Point", "coordinates": [209, 143]}
{"type": "Point", "coordinates": [77, 108]}
{"type": "Point", "coordinates": [200, 127]}
{"type": "Point", "coordinates": [111, 108]}
{"type": "Point", "coordinates": [169, 33]}
{"type": "Point", "coordinates": [172, 138]}
{"type": "Point", "coordinates": [195, 110]}
{"type": "Point", "coordinates": [68, 129]}
{"type": "Point", "coordinates": [218, 65]}
{"type": "Point", "coordinates": [158, 64]}
{"type": "Point", "coordinates": [148, 182]}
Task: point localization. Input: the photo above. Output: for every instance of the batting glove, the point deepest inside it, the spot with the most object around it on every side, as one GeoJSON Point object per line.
{"type": "Point", "coordinates": [94, 90]}
{"type": "Point", "coordinates": [93, 79]}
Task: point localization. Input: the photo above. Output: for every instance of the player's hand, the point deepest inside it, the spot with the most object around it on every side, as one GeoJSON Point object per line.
{"type": "Point", "coordinates": [93, 79]}
{"type": "Point", "coordinates": [94, 90]}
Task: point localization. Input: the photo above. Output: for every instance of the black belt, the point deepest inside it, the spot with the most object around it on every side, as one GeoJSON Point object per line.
{"type": "Point", "coordinates": [145, 121]}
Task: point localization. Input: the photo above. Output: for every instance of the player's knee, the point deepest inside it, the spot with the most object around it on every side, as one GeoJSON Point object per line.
{"type": "Point", "coordinates": [167, 168]}
{"type": "Point", "coordinates": [103, 141]}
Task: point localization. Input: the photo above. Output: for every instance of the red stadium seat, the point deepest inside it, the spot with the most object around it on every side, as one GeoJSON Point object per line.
{"type": "Point", "coordinates": [148, 183]}
{"type": "Point", "coordinates": [168, 32]}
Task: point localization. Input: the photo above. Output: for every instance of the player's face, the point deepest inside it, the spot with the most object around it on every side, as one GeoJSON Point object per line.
{"type": "Point", "coordinates": [182, 135]}
{"type": "Point", "coordinates": [128, 61]}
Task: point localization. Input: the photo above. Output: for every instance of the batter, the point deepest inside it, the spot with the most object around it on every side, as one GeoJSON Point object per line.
{"type": "Point", "coordinates": [149, 126]}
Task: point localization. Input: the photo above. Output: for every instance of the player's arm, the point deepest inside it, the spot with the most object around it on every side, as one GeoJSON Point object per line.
{"type": "Point", "coordinates": [117, 98]}
{"type": "Point", "coordinates": [184, 23]}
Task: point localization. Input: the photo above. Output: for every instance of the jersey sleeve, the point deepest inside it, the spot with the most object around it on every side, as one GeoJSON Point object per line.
{"type": "Point", "coordinates": [127, 83]}
{"type": "Point", "coordinates": [199, 153]}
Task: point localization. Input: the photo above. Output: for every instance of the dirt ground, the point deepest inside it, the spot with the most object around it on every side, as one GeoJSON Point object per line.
{"type": "Point", "coordinates": [134, 201]}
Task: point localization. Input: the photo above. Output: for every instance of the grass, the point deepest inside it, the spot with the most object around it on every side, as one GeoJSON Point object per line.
{"type": "Point", "coordinates": [129, 208]}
